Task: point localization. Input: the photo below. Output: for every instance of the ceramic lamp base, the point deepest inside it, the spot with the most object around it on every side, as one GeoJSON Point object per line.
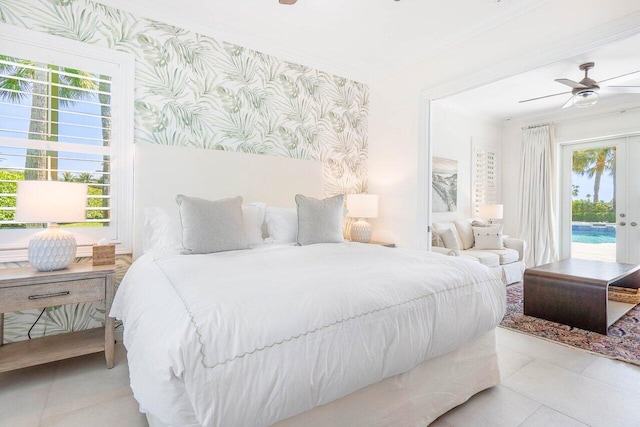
{"type": "Point", "coordinates": [52, 249]}
{"type": "Point", "coordinates": [361, 231]}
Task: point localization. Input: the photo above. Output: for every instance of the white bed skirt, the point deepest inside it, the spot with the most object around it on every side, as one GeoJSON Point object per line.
{"type": "Point", "coordinates": [415, 398]}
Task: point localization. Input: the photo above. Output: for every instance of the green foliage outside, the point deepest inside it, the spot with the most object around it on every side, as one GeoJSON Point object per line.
{"type": "Point", "coordinates": [9, 201]}
{"type": "Point", "coordinates": [594, 163]}
{"type": "Point", "coordinates": [586, 211]}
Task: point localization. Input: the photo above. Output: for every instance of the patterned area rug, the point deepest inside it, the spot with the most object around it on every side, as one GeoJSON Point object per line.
{"type": "Point", "coordinates": [622, 342]}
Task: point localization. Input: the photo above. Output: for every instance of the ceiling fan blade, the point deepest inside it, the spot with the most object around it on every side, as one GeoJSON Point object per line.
{"type": "Point", "coordinates": [568, 104]}
{"type": "Point", "coordinates": [288, 1]}
{"type": "Point", "coordinates": [621, 89]}
{"type": "Point", "coordinates": [621, 78]}
{"type": "Point", "coordinates": [571, 83]}
{"type": "Point", "coordinates": [542, 97]}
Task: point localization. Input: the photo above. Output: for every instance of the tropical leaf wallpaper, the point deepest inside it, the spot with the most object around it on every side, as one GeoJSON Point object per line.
{"type": "Point", "coordinates": [193, 90]}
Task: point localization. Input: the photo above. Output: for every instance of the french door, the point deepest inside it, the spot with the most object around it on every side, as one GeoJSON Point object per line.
{"type": "Point", "coordinates": [600, 200]}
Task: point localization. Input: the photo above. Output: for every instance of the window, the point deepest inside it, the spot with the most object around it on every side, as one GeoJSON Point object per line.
{"type": "Point", "coordinates": [485, 176]}
{"type": "Point", "coordinates": [64, 117]}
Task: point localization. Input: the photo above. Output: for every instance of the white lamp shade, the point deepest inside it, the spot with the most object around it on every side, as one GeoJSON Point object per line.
{"type": "Point", "coordinates": [491, 211]}
{"type": "Point", "coordinates": [51, 201]}
{"type": "Point", "coordinates": [362, 205]}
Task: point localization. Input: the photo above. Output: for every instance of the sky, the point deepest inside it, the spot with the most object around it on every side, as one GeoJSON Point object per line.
{"type": "Point", "coordinates": [586, 187]}
{"type": "Point", "coordinates": [16, 117]}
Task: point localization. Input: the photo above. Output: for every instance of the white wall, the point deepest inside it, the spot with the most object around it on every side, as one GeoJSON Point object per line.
{"type": "Point", "coordinates": [566, 130]}
{"type": "Point", "coordinates": [395, 101]}
{"type": "Point", "coordinates": [452, 133]}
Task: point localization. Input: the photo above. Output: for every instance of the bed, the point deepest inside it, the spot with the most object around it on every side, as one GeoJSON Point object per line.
{"type": "Point", "coordinates": [326, 334]}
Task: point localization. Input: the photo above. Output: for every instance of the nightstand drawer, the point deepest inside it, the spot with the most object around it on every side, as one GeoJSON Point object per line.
{"type": "Point", "coordinates": [50, 294]}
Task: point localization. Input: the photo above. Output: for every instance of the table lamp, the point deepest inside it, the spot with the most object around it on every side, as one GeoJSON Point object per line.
{"type": "Point", "coordinates": [362, 206]}
{"type": "Point", "coordinates": [52, 202]}
{"type": "Point", "coordinates": [490, 212]}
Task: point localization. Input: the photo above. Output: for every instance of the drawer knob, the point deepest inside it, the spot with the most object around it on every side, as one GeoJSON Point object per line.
{"type": "Point", "coordinates": [55, 294]}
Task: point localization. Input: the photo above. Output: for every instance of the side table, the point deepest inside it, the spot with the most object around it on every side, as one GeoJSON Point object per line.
{"type": "Point", "coordinates": [26, 288]}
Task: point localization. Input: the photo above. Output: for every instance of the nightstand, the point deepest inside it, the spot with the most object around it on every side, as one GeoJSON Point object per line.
{"type": "Point", "coordinates": [388, 245]}
{"type": "Point", "coordinates": [27, 288]}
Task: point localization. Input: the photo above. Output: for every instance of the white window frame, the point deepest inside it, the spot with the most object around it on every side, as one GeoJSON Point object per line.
{"type": "Point", "coordinates": [45, 48]}
{"type": "Point", "coordinates": [478, 144]}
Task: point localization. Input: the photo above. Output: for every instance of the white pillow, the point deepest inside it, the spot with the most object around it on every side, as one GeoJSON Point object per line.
{"type": "Point", "coordinates": [163, 229]}
{"type": "Point", "coordinates": [282, 224]}
{"type": "Point", "coordinates": [253, 215]}
{"type": "Point", "coordinates": [440, 227]}
{"type": "Point", "coordinates": [488, 237]}
{"type": "Point", "coordinates": [465, 232]}
{"type": "Point", "coordinates": [449, 239]}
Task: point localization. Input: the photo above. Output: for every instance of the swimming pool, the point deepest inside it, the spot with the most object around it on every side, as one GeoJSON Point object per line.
{"type": "Point", "coordinates": [582, 232]}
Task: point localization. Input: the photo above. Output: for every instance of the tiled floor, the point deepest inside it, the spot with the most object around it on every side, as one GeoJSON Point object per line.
{"type": "Point", "coordinates": [543, 385]}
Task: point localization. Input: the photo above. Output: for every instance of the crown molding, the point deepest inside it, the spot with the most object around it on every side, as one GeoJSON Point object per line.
{"type": "Point", "coordinates": [503, 15]}
{"type": "Point", "coordinates": [586, 41]}
{"type": "Point", "coordinates": [361, 72]}
{"type": "Point", "coordinates": [224, 32]}
{"type": "Point", "coordinates": [569, 115]}
{"type": "Point", "coordinates": [467, 112]}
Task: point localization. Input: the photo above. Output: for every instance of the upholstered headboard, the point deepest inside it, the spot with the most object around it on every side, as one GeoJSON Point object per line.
{"type": "Point", "coordinates": [161, 172]}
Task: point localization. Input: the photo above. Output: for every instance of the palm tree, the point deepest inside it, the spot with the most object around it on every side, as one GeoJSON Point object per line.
{"type": "Point", "coordinates": [593, 163]}
{"type": "Point", "coordinates": [43, 82]}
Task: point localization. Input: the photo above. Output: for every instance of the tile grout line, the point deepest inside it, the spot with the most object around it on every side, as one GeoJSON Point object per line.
{"type": "Point", "coordinates": [530, 361]}
{"type": "Point", "coordinates": [592, 362]}
{"type": "Point", "coordinates": [617, 389]}
{"type": "Point", "coordinates": [554, 410]}
{"type": "Point", "coordinates": [46, 402]}
{"type": "Point", "coordinates": [533, 413]}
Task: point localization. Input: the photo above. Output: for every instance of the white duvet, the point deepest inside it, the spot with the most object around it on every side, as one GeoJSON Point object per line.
{"type": "Point", "coordinates": [247, 338]}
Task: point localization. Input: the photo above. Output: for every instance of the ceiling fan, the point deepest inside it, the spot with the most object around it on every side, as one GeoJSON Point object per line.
{"type": "Point", "coordinates": [585, 93]}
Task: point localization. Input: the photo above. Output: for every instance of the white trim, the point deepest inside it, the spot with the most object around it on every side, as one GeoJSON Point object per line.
{"type": "Point", "coordinates": [507, 12]}
{"type": "Point", "coordinates": [445, 104]}
{"type": "Point", "coordinates": [120, 66]}
{"type": "Point", "coordinates": [586, 41]}
{"type": "Point", "coordinates": [563, 186]}
{"type": "Point", "coordinates": [424, 173]}
{"type": "Point", "coordinates": [222, 31]}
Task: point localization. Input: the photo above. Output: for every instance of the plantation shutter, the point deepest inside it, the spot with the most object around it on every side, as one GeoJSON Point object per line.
{"type": "Point", "coordinates": [485, 175]}
{"type": "Point", "coordinates": [55, 123]}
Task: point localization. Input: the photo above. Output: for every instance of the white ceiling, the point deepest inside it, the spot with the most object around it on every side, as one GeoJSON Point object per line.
{"type": "Point", "coordinates": [499, 101]}
{"type": "Point", "coordinates": [364, 40]}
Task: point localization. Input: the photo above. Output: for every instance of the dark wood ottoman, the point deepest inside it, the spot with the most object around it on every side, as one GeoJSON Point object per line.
{"type": "Point", "coordinates": [574, 292]}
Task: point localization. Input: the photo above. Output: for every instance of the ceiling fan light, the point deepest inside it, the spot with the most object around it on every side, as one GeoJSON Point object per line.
{"type": "Point", "coordinates": [586, 98]}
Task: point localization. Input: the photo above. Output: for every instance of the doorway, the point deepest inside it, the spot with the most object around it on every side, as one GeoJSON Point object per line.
{"type": "Point", "coordinates": [601, 200]}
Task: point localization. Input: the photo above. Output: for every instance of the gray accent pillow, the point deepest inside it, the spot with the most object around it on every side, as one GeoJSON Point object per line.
{"type": "Point", "coordinates": [211, 226]}
{"type": "Point", "coordinates": [320, 221]}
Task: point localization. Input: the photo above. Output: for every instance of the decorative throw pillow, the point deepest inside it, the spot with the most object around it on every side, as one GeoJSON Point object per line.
{"type": "Point", "coordinates": [282, 224]}
{"type": "Point", "coordinates": [320, 221]}
{"type": "Point", "coordinates": [465, 231]}
{"type": "Point", "coordinates": [488, 237]}
{"type": "Point", "coordinates": [436, 241]}
{"type": "Point", "coordinates": [449, 239]}
{"type": "Point", "coordinates": [211, 226]}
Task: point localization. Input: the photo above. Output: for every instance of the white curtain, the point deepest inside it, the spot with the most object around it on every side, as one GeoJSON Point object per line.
{"type": "Point", "coordinates": [537, 180]}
